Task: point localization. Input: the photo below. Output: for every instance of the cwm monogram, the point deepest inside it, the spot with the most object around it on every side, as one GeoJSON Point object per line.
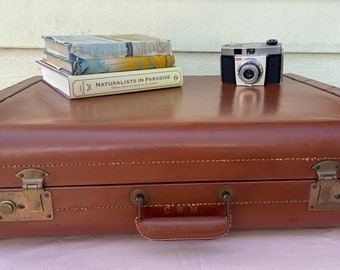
{"type": "Point", "coordinates": [174, 209]}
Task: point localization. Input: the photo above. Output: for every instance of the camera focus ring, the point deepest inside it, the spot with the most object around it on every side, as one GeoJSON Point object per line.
{"type": "Point", "coordinates": [250, 71]}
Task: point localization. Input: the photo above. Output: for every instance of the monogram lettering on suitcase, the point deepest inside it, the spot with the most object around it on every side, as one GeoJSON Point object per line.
{"type": "Point", "coordinates": [188, 209]}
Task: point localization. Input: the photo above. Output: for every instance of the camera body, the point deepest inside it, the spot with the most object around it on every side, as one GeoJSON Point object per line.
{"type": "Point", "coordinates": [252, 64]}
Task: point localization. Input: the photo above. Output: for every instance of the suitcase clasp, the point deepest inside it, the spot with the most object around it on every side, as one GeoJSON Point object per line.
{"type": "Point", "coordinates": [325, 193]}
{"type": "Point", "coordinates": [29, 204]}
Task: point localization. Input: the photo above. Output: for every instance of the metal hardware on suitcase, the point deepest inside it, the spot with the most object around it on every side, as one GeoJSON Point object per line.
{"type": "Point", "coordinates": [182, 163]}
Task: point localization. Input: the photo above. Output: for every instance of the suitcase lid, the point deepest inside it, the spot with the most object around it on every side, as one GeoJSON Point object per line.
{"type": "Point", "coordinates": [204, 131]}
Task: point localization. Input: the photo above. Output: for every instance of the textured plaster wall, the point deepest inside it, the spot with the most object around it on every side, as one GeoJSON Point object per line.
{"type": "Point", "coordinates": [308, 28]}
{"type": "Point", "coordinates": [192, 25]}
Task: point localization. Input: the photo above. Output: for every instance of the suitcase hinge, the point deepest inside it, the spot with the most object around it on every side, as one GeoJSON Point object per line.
{"type": "Point", "coordinates": [325, 193]}
{"type": "Point", "coordinates": [31, 203]}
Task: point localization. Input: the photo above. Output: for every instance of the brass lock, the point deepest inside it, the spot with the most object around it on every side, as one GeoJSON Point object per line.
{"type": "Point", "coordinates": [7, 207]}
{"type": "Point", "coordinates": [30, 203]}
{"type": "Point", "coordinates": [325, 193]}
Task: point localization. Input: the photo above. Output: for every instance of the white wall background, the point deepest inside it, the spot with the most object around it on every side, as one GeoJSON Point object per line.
{"type": "Point", "coordinates": [308, 29]}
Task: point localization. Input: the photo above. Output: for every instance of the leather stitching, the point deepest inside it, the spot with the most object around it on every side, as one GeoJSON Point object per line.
{"type": "Point", "coordinates": [169, 162]}
{"type": "Point", "coordinates": [89, 208]}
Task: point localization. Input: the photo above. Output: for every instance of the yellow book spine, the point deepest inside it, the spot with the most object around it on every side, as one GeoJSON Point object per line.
{"type": "Point", "coordinates": [93, 66]}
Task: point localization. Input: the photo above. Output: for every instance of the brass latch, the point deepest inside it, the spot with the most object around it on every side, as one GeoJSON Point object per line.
{"type": "Point", "coordinates": [325, 193]}
{"type": "Point", "coordinates": [29, 204]}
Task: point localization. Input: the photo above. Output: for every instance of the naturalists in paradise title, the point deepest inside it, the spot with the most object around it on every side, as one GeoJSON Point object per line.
{"type": "Point", "coordinates": [136, 80]}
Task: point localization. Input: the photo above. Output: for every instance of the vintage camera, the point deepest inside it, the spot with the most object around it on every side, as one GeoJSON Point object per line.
{"type": "Point", "coordinates": [252, 63]}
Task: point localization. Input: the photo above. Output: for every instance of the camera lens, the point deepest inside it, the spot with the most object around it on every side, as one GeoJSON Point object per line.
{"type": "Point", "coordinates": [250, 71]}
{"type": "Point", "coordinates": [248, 74]}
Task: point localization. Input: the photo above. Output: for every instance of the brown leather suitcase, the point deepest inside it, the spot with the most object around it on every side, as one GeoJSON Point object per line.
{"type": "Point", "coordinates": [182, 163]}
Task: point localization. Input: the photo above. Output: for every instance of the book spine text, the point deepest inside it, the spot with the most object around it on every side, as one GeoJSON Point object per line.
{"type": "Point", "coordinates": [124, 82]}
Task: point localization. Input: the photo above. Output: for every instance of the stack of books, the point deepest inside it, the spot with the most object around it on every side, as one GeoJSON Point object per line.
{"type": "Point", "coordinates": [89, 65]}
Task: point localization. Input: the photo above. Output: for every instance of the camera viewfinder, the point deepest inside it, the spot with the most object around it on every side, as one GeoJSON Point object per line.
{"type": "Point", "coordinates": [250, 51]}
{"type": "Point", "coordinates": [237, 51]}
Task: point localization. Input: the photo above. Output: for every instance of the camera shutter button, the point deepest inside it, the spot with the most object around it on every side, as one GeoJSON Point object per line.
{"type": "Point", "coordinates": [272, 42]}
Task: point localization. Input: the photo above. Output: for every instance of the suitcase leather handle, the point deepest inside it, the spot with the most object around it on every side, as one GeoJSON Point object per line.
{"type": "Point", "coordinates": [182, 228]}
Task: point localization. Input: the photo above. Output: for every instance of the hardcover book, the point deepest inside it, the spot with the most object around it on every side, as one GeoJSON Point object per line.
{"type": "Point", "coordinates": [92, 66]}
{"type": "Point", "coordinates": [106, 46]}
{"type": "Point", "coordinates": [92, 85]}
